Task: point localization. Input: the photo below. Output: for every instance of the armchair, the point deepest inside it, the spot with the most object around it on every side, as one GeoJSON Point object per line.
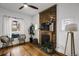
{"type": "Point", "coordinates": [5, 41]}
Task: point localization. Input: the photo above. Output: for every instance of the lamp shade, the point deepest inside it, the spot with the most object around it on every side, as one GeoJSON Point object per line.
{"type": "Point", "coordinates": [71, 27]}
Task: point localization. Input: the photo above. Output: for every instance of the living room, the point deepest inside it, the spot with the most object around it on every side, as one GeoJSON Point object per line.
{"type": "Point", "coordinates": [26, 27]}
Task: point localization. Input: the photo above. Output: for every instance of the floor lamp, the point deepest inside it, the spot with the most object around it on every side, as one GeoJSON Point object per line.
{"type": "Point", "coordinates": [71, 28]}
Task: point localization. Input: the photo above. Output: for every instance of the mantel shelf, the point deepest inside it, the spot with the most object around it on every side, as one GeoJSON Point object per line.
{"type": "Point", "coordinates": [46, 31]}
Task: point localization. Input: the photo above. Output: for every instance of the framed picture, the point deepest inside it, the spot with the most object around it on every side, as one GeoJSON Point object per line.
{"type": "Point", "coordinates": [15, 26]}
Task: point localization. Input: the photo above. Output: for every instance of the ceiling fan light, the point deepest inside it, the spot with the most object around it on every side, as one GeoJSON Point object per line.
{"type": "Point", "coordinates": [25, 5]}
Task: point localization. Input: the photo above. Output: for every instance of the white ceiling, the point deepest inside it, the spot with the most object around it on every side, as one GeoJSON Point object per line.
{"type": "Point", "coordinates": [14, 7]}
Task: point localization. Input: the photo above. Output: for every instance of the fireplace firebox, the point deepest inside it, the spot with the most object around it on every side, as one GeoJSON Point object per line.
{"type": "Point", "coordinates": [45, 39]}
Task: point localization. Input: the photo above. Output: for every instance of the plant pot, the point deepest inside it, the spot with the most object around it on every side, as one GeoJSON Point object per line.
{"type": "Point", "coordinates": [31, 39]}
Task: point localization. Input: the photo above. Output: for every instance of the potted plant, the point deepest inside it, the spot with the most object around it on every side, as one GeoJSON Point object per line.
{"type": "Point", "coordinates": [32, 32]}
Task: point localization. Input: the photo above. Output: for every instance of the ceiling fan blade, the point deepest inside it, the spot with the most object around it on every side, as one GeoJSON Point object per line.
{"type": "Point", "coordinates": [21, 7]}
{"type": "Point", "coordinates": [33, 7]}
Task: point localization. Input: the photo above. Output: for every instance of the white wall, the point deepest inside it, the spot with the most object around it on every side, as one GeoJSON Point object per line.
{"type": "Point", "coordinates": [27, 20]}
{"type": "Point", "coordinates": [35, 21]}
{"type": "Point", "coordinates": [67, 11]}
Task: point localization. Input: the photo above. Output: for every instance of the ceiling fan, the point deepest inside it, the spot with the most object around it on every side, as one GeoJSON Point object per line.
{"type": "Point", "coordinates": [28, 5]}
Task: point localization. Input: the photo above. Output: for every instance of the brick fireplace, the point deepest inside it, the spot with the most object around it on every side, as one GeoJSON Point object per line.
{"type": "Point", "coordinates": [46, 42]}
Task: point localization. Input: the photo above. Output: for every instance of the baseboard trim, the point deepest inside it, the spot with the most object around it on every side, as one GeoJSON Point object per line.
{"type": "Point", "coordinates": [59, 53]}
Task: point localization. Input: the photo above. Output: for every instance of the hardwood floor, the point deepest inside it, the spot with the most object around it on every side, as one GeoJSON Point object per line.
{"type": "Point", "coordinates": [22, 50]}
{"type": "Point", "coordinates": [26, 49]}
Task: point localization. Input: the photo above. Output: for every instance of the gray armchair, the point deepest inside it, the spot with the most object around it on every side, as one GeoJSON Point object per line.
{"type": "Point", "coordinates": [5, 40]}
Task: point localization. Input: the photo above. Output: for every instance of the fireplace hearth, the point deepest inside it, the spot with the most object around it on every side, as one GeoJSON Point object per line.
{"type": "Point", "coordinates": [46, 44]}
